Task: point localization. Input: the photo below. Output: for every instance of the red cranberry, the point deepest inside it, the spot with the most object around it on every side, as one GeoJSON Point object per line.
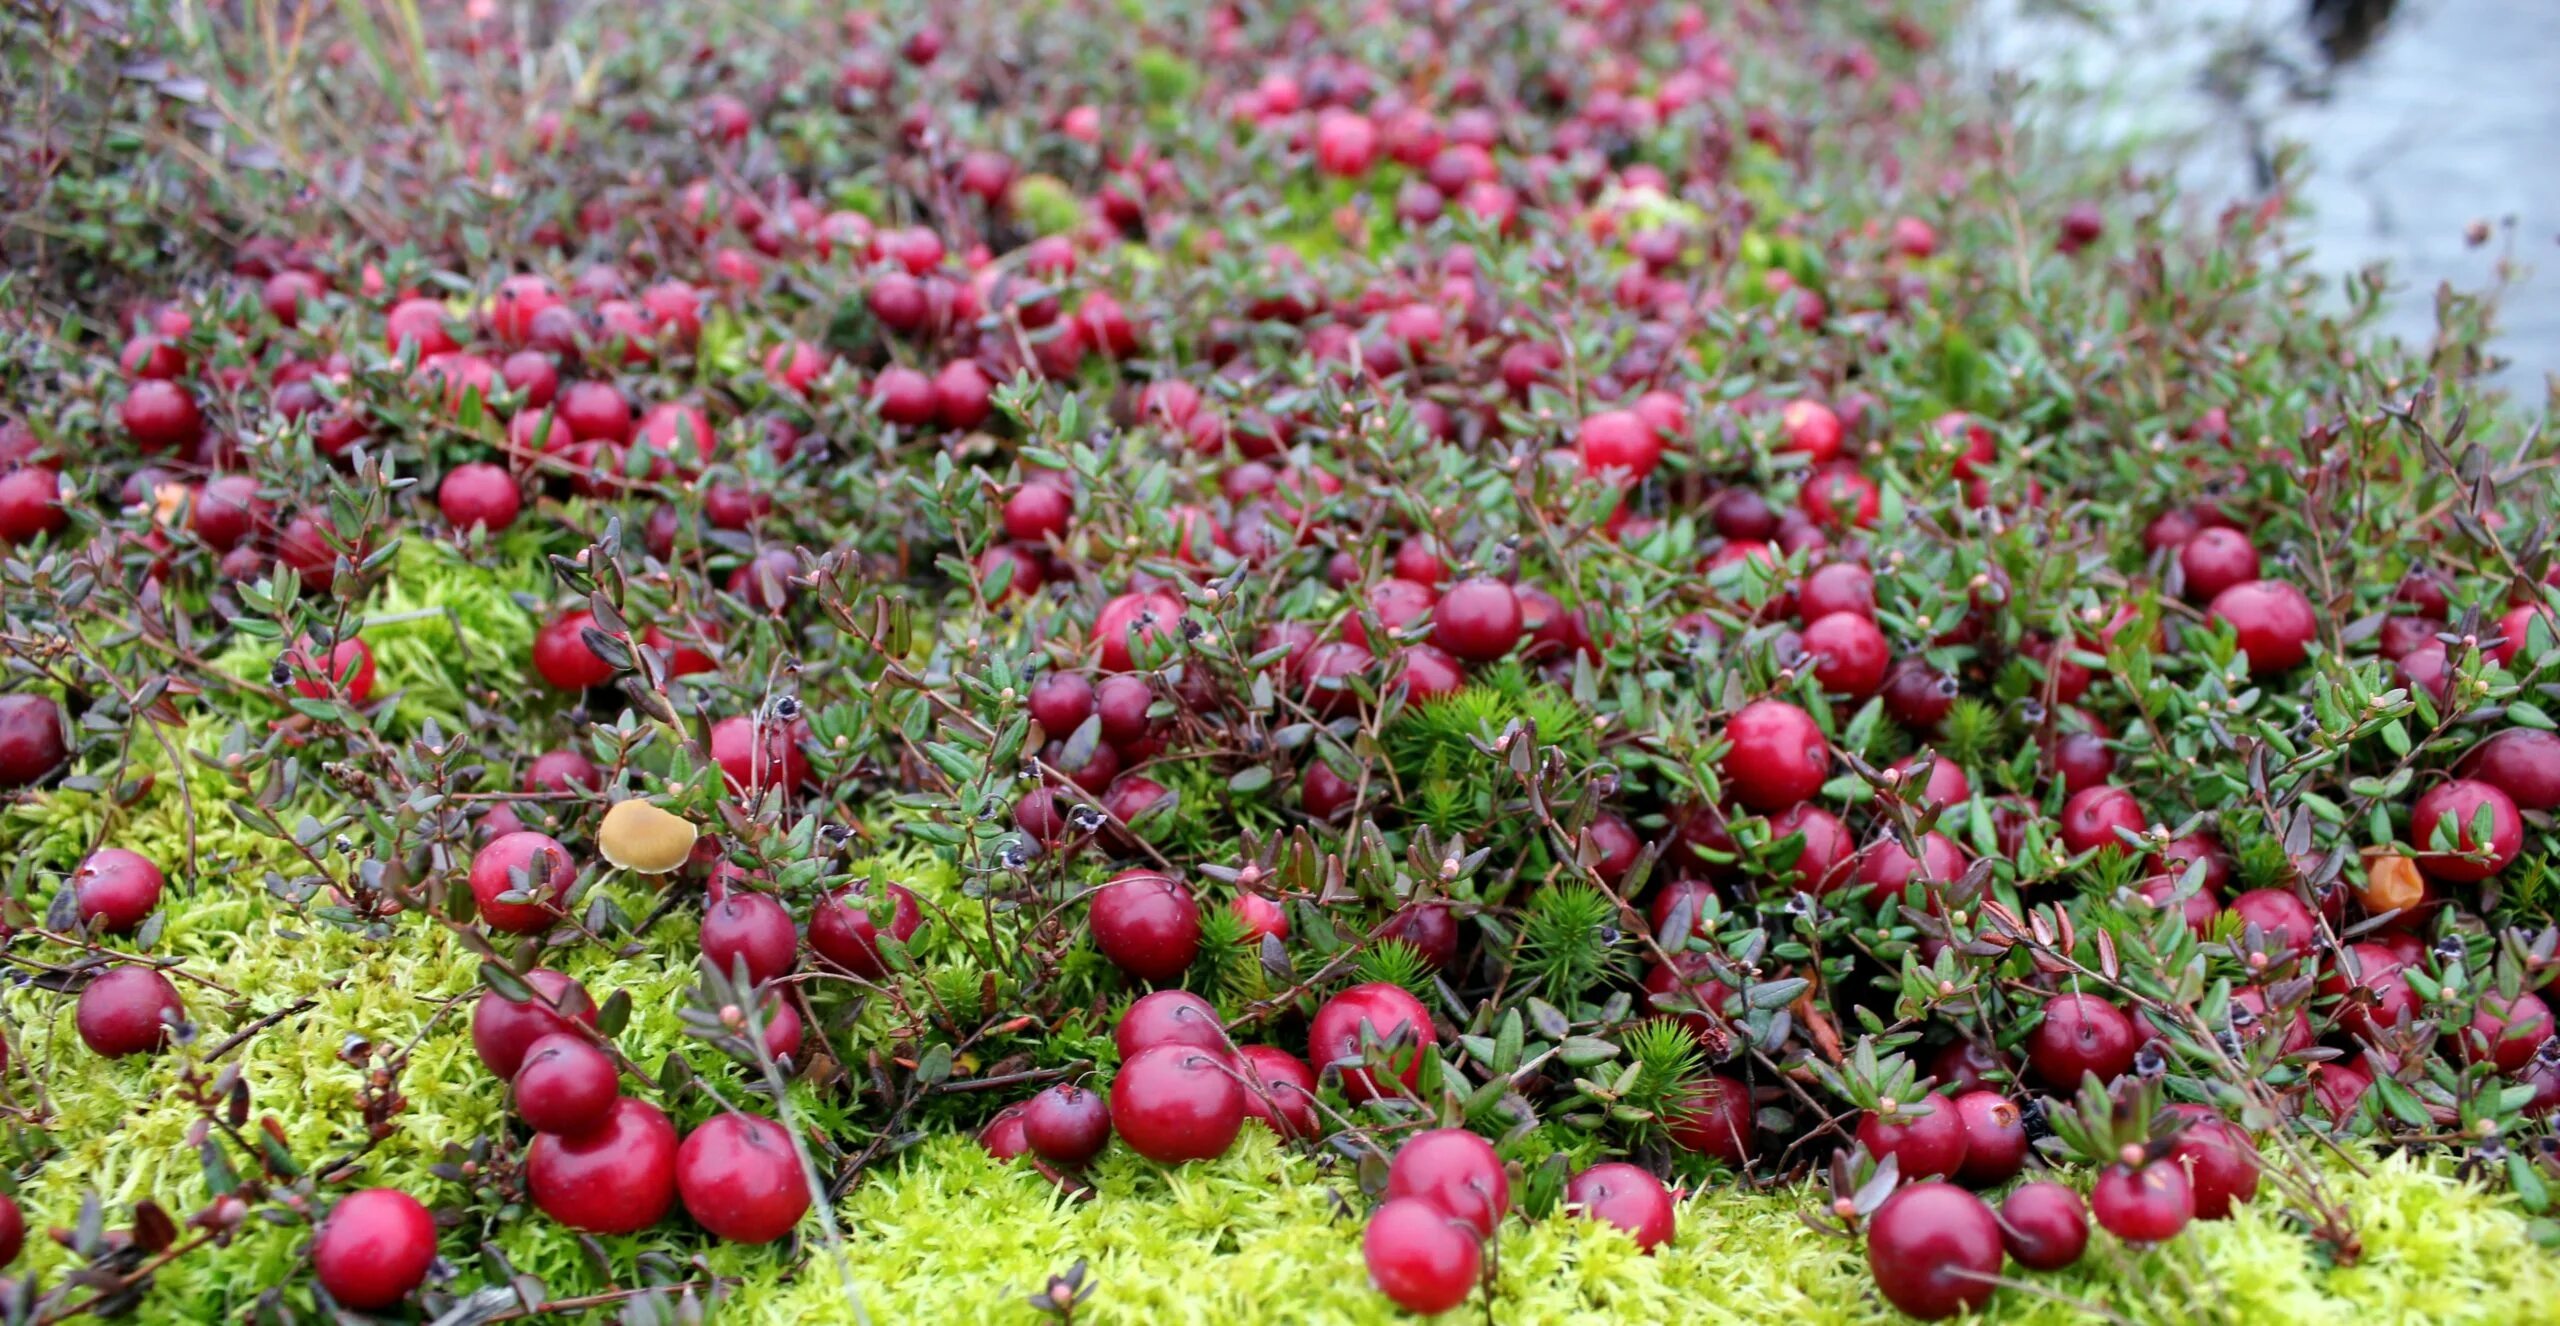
{"type": "Point", "coordinates": [31, 504]}
{"type": "Point", "coordinates": [116, 890]}
{"type": "Point", "coordinates": [2093, 818]}
{"type": "Point", "coordinates": [1778, 757]}
{"type": "Point", "coordinates": [2507, 1031]}
{"type": "Point", "coordinates": [533, 865]}
{"type": "Point", "coordinates": [1280, 1090]}
{"type": "Point", "coordinates": [561, 655]}
{"type": "Point", "coordinates": [1625, 1196]}
{"type": "Point", "coordinates": [1175, 1103]}
{"type": "Point", "coordinates": [1147, 924]}
{"type": "Point", "coordinates": [1478, 620]}
{"type": "Point", "coordinates": [1619, 442]}
{"type": "Point", "coordinates": [1919, 696]}
{"type": "Point", "coordinates": [2522, 762]}
{"type": "Point", "coordinates": [479, 493]}
{"type": "Point", "coordinates": [741, 1179]}
{"type": "Point", "coordinates": [2215, 560]}
{"type": "Point", "coordinates": [845, 929]}
{"type": "Point", "coordinates": [1037, 511]}
{"type": "Point", "coordinates": [2273, 620]}
{"type": "Point", "coordinates": [1456, 1171]}
{"type": "Point", "coordinates": [1932, 1248]}
{"type": "Point", "coordinates": [160, 416]}
{"type": "Point", "coordinates": [566, 1085]}
{"type": "Point", "coordinates": [617, 1179]}
{"type": "Point", "coordinates": [2080, 761]}
{"type": "Point", "coordinates": [1995, 1138]}
{"type": "Point", "coordinates": [1067, 1124]}
{"type": "Point", "coordinates": [2372, 992]}
{"type": "Point", "coordinates": [2286, 922]}
{"type": "Point", "coordinates": [1420, 1257]}
{"type": "Point", "coordinates": [2081, 1034]}
{"type": "Point", "coordinates": [1123, 700]}
{"type": "Point", "coordinates": [349, 671]}
{"type": "Point", "coordinates": [127, 1010]}
{"type": "Point", "coordinates": [1386, 1011]}
{"type": "Point", "coordinates": [1134, 618]}
{"type": "Point", "coordinates": [1927, 1143]}
{"type": "Point", "coordinates": [1717, 1119]}
{"type": "Point", "coordinates": [2150, 1204]}
{"type": "Point", "coordinates": [750, 929]}
{"type": "Point", "coordinates": [2045, 1225]}
{"type": "Point", "coordinates": [755, 753]}
{"type": "Point", "coordinates": [1837, 587]}
{"type": "Point", "coordinates": [2446, 816]}
{"type": "Point", "coordinates": [374, 1249]}
{"type": "Point", "coordinates": [1849, 654]}
{"type": "Point", "coordinates": [1887, 865]}
{"type": "Point", "coordinates": [504, 1031]}
{"type": "Point", "coordinates": [1060, 702]}
{"type": "Point", "coordinates": [2220, 1160]}
{"type": "Point", "coordinates": [1432, 930]}
{"type": "Point", "coordinates": [1168, 1017]}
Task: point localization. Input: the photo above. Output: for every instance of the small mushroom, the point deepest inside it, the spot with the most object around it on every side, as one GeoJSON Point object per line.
{"type": "Point", "coordinates": [638, 836]}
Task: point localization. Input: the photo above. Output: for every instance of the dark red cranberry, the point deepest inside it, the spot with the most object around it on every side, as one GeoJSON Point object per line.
{"type": "Point", "coordinates": [2081, 1034]}
{"type": "Point", "coordinates": [617, 1178]}
{"type": "Point", "coordinates": [741, 1179]}
{"type": "Point", "coordinates": [2445, 816]}
{"type": "Point", "coordinates": [532, 865]}
{"type": "Point", "coordinates": [2045, 1225]}
{"type": "Point", "coordinates": [1477, 620]}
{"type": "Point", "coordinates": [1778, 757]}
{"type": "Point", "coordinates": [2522, 762]}
{"type": "Point", "coordinates": [1060, 702]}
{"type": "Point", "coordinates": [116, 890]}
{"type": "Point", "coordinates": [1176, 1103]}
{"type": "Point", "coordinates": [160, 416]}
{"type": "Point", "coordinates": [2080, 760]}
{"type": "Point", "coordinates": [1424, 1260]}
{"type": "Point", "coordinates": [2275, 623]}
{"type": "Point", "coordinates": [1625, 1196]}
{"type": "Point", "coordinates": [1123, 700]}
{"type": "Point", "coordinates": [1919, 696]}
{"type": "Point", "coordinates": [504, 1031]}
{"type": "Point", "coordinates": [1147, 924]}
{"type": "Point", "coordinates": [126, 1010]}
{"type": "Point", "coordinates": [1933, 1248]}
{"type": "Point", "coordinates": [1067, 1124]}
{"type": "Point", "coordinates": [1995, 1139]}
{"type": "Point", "coordinates": [846, 929]}
{"type": "Point", "coordinates": [1927, 1141]}
{"type": "Point", "coordinates": [1456, 1171]}
{"type": "Point", "coordinates": [566, 1085]}
{"type": "Point", "coordinates": [1717, 1119]}
{"type": "Point", "coordinates": [750, 929]}
{"type": "Point", "coordinates": [1387, 1013]}
{"type": "Point", "coordinates": [374, 1249]}
{"type": "Point", "coordinates": [2149, 1204]}
{"type": "Point", "coordinates": [1432, 930]}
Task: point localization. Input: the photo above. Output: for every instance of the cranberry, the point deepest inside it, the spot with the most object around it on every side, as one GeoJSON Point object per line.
{"type": "Point", "coordinates": [755, 754]}
{"type": "Point", "coordinates": [1280, 1090]}
{"type": "Point", "coordinates": [2094, 819]}
{"type": "Point", "coordinates": [1130, 620]}
{"type": "Point", "coordinates": [2221, 1162]}
{"type": "Point", "coordinates": [1968, 1065]}
{"type": "Point", "coordinates": [1932, 1248]}
{"type": "Point", "coordinates": [1625, 1196]}
{"type": "Point", "coordinates": [503, 1031]}
{"type": "Point", "coordinates": [2080, 760]}
{"type": "Point", "coordinates": [127, 1010]}
{"type": "Point", "coordinates": [1420, 1257]}
{"type": "Point", "coordinates": [594, 412]}
{"type": "Point", "coordinates": [2522, 762]}
{"type": "Point", "coordinates": [2448, 813]}
{"type": "Point", "coordinates": [1919, 696]}
{"type": "Point", "coordinates": [1887, 865]}
{"type": "Point", "coordinates": [1123, 700]}
{"type": "Point", "coordinates": [1778, 757]}
{"type": "Point", "coordinates": [1849, 654]}
{"type": "Point", "coordinates": [160, 416]}
{"type": "Point", "coordinates": [1037, 512]}
{"type": "Point", "coordinates": [533, 865]}
{"type": "Point", "coordinates": [1336, 1034]}
{"type": "Point", "coordinates": [1067, 1124]}
{"type": "Point", "coordinates": [415, 328]}
{"type": "Point", "coordinates": [2215, 560]}
{"type": "Point", "coordinates": [1835, 588]}
{"type": "Point", "coordinates": [1147, 924]}
{"type": "Point", "coordinates": [31, 504]}
{"type": "Point", "coordinates": [1173, 1103]}
{"type": "Point", "coordinates": [348, 672]}
{"type": "Point", "coordinates": [749, 930]}
{"type": "Point", "coordinates": [1168, 1017]}
{"type": "Point", "coordinates": [1456, 1171]}
{"type": "Point", "coordinates": [2081, 1034]}
{"type": "Point", "coordinates": [2045, 1225]}
{"type": "Point", "coordinates": [1478, 620]}
{"type": "Point", "coordinates": [904, 397]}
{"type": "Point", "coordinates": [846, 931]}
{"type": "Point", "coordinates": [2507, 1031]}
{"type": "Point", "coordinates": [1927, 1143]}
{"type": "Point", "coordinates": [566, 1085]}
{"type": "Point", "coordinates": [1995, 1147]}
{"type": "Point", "coordinates": [1259, 916]}
{"type": "Point", "coordinates": [2287, 923]}
{"type": "Point", "coordinates": [619, 1178]}
{"type": "Point", "coordinates": [1619, 442]}
{"type": "Point", "coordinates": [1003, 1136]}
{"type": "Point", "coordinates": [13, 1222]}
{"type": "Point", "coordinates": [228, 511]}
{"type": "Point", "coordinates": [1716, 1119]}
{"type": "Point", "coordinates": [2149, 1204]}
{"type": "Point", "coordinates": [1431, 929]}
{"type": "Point", "coordinates": [2273, 620]}
{"type": "Point", "coordinates": [1060, 702]}
{"type": "Point", "coordinates": [374, 1248]}
{"type": "Point", "coordinates": [2371, 991]}
{"type": "Point", "coordinates": [963, 398]}
{"type": "Point", "coordinates": [741, 1179]}
{"type": "Point", "coordinates": [116, 890]}
{"type": "Point", "coordinates": [1812, 429]}
{"type": "Point", "coordinates": [562, 656]}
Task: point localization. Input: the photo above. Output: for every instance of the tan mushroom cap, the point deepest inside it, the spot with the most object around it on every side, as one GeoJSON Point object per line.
{"type": "Point", "coordinates": [638, 836]}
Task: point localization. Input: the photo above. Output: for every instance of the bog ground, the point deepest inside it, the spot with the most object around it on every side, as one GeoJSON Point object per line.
{"type": "Point", "coordinates": [1302, 663]}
